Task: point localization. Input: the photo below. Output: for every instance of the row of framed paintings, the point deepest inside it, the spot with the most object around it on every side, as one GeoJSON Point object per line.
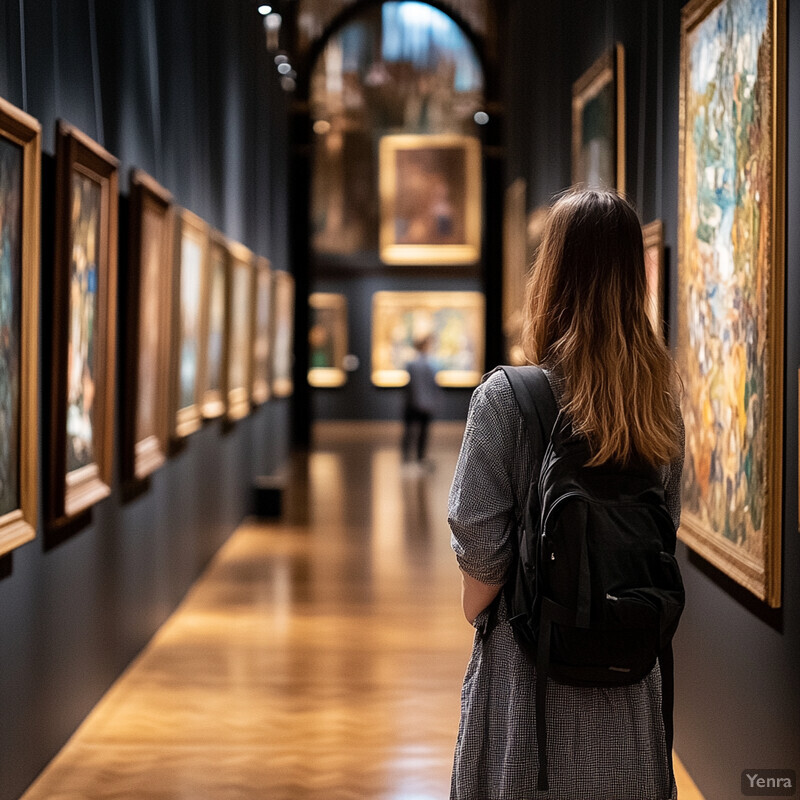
{"type": "Point", "coordinates": [206, 327]}
{"type": "Point", "coordinates": [455, 320]}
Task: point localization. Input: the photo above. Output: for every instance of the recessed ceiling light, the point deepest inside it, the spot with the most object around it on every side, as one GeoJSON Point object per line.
{"type": "Point", "coordinates": [264, 10]}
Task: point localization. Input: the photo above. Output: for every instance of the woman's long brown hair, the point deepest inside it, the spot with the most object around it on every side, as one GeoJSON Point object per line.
{"type": "Point", "coordinates": [586, 319]}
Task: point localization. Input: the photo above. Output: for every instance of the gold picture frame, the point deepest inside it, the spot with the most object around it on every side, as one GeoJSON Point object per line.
{"type": "Point", "coordinates": [731, 256]}
{"type": "Point", "coordinates": [20, 190]}
{"type": "Point", "coordinates": [598, 123]}
{"type": "Point", "coordinates": [515, 269]}
{"type": "Point", "coordinates": [190, 271]}
{"type": "Point", "coordinates": [327, 340]}
{"type": "Point", "coordinates": [261, 390]}
{"type": "Point", "coordinates": [84, 325]}
{"type": "Point", "coordinates": [145, 428]}
{"type": "Point", "coordinates": [213, 399]}
{"type": "Point", "coordinates": [430, 199]}
{"type": "Point", "coordinates": [653, 235]}
{"type": "Point", "coordinates": [456, 322]}
{"type": "Point", "coordinates": [240, 293]}
{"type": "Point", "coordinates": [282, 334]}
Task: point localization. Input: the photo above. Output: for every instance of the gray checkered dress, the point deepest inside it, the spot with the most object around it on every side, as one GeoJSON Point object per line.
{"type": "Point", "coordinates": [603, 744]}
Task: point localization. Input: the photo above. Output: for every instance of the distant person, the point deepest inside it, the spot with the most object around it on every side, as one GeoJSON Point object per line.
{"type": "Point", "coordinates": [422, 394]}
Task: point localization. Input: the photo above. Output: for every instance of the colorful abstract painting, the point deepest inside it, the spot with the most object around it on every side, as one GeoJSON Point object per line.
{"type": "Point", "coordinates": [83, 292]}
{"type": "Point", "coordinates": [11, 167]}
{"type": "Point", "coordinates": [731, 289]}
{"type": "Point", "coordinates": [455, 320]}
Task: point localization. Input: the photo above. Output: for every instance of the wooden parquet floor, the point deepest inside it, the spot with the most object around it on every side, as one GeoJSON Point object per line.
{"type": "Point", "coordinates": [318, 658]}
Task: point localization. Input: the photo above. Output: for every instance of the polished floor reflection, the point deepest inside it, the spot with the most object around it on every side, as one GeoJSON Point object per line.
{"type": "Point", "coordinates": [318, 658]}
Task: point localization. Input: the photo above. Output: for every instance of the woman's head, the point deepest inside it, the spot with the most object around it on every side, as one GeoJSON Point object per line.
{"type": "Point", "coordinates": [586, 317]}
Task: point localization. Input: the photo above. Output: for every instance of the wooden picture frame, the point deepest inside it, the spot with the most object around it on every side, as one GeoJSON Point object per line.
{"type": "Point", "coordinates": [456, 322]}
{"type": "Point", "coordinates": [190, 270]}
{"type": "Point", "coordinates": [430, 199]}
{"type": "Point", "coordinates": [145, 425]}
{"type": "Point", "coordinates": [598, 123]}
{"type": "Point", "coordinates": [515, 269]}
{"type": "Point", "coordinates": [731, 286]}
{"type": "Point", "coordinates": [327, 339]}
{"type": "Point", "coordinates": [84, 324]}
{"type": "Point", "coordinates": [653, 235]}
{"type": "Point", "coordinates": [282, 334]}
{"type": "Point", "coordinates": [261, 390]}
{"type": "Point", "coordinates": [240, 294]}
{"type": "Point", "coordinates": [214, 327]}
{"type": "Point", "coordinates": [20, 190]}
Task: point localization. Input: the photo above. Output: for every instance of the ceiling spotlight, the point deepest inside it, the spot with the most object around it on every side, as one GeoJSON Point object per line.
{"type": "Point", "coordinates": [284, 68]}
{"type": "Point", "coordinates": [287, 84]}
{"type": "Point", "coordinates": [281, 58]}
{"type": "Point", "coordinates": [264, 10]}
{"type": "Point", "coordinates": [481, 117]}
{"type": "Point", "coordinates": [321, 127]}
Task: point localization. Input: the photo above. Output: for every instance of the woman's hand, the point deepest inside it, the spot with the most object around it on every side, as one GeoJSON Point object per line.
{"type": "Point", "coordinates": [476, 596]}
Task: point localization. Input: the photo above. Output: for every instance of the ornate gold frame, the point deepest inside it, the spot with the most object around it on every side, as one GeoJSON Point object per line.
{"type": "Point", "coordinates": [213, 401]}
{"type": "Point", "coordinates": [75, 491]}
{"type": "Point", "coordinates": [394, 252]}
{"type": "Point", "coordinates": [19, 525]}
{"type": "Point", "coordinates": [387, 303]}
{"type": "Point", "coordinates": [653, 234]}
{"type": "Point", "coordinates": [609, 68]}
{"type": "Point", "coordinates": [142, 457]}
{"type": "Point", "coordinates": [241, 259]}
{"type": "Point", "coordinates": [762, 579]}
{"type": "Point", "coordinates": [185, 420]}
{"type": "Point", "coordinates": [331, 377]}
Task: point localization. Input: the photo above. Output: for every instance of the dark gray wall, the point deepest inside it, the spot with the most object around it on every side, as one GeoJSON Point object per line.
{"type": "Point", "coordinates": [186, 91]}
{"type": "Point", "coordinates": [737, 677]}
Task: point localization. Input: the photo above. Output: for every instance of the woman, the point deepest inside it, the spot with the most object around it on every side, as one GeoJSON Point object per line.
{"type": "Point", "coordinates": [587, 326]}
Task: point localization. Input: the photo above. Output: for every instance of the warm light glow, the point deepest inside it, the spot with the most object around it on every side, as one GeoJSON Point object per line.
{"type": "Point", "coordinates": [322, 126]}
{"type": "Point", "coordinates": [264, 10]}
{"type": "Point", "coordinates": [287, 83]}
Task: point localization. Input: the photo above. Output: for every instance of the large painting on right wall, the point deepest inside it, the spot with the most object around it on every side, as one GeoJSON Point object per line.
{"type": "Point", "coordinates": [731, 285]}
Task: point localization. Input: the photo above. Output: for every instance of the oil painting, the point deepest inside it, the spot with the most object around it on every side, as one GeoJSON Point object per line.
{"type": "Point", "coordinates": [240, 310]}
{"type": "Point", "coordinates": [20, 137]}
{"type": "Point", "coordinates": [430, 199]}
{"type": "Point", "coordinates": [282, 333]}
{"type": "Point", "coordinates": [144, 379]}
{"type": "Point", "coordinates": [653, 234]}
{"type": "Point", "coordinates": [214, 313]}
{"type": "Point", "coordinates": [191, 254]}
{"type": "Point", "coordinates": [327, 339]}
{"type": "Point", "coordinates": [84, 329]}
{"type": "Point", "coordinates": [598, 123]}
{"type": "Point", "coordinates": [731, 285]}
{"type": "Point", "coordinates": [261, 329]}
{"type": "Point", "coordinates": [454, 320]}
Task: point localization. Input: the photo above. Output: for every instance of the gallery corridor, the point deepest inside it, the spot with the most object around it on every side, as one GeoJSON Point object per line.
{"type": "Point", "coordinates": [319, 657]}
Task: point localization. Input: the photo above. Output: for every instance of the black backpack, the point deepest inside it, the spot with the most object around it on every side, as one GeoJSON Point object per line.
{"type": "Point", "coordinates": [596, 593]}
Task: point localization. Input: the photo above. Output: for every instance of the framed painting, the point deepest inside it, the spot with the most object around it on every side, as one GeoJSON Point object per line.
{"type": "Point", "coordinates": [598, 123]}
{"type": "Point", "coordinates": [653, 234]}
{"type": "Point", "coordinates": [455, 320]}
{"type": "Point", "coordinates": [260, 390]}
{"type": "Point", "coordinates": [20, 188]}
{"type": "Point", "coordinates": [327, 340]}
{"type": "Point", "coordinates": [145, 429]}
{"type": "Point", "coordinates": [84, 324]}
{"type": "Point", "coordinates": [213, 395]}
{"type": "Point", "coordinates": [241, 277]}
{"type": "Point", "coordinates": [190, 270]}
{"type": "Point", "coordinates": [515, 269]}
{"type": "Point", "coordinates": [282, 333]}
{"type": "Point", "coordinates": [731, 284]}
{"type": "Point", "coordinates": [430, 199]}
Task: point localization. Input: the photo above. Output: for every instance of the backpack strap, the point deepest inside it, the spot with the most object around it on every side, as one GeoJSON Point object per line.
{"type": "Point", "coordinates": [540, 412]}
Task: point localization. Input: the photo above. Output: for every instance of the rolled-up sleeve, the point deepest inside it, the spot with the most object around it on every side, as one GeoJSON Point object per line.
{"type": "Point", "coordinates": [481, 510]}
